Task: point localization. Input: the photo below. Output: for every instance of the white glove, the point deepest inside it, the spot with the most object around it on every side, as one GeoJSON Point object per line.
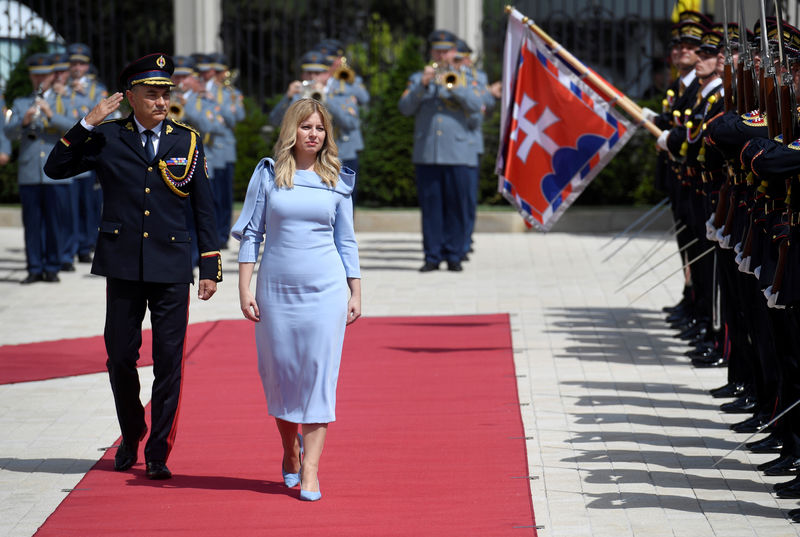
{"type": "Point", "coordinates": [744, 264]}
{"type": "Point", "coordinates": [662, 140]}
{"type": "Point", "coordinates": [738, 248]}
{"type": "Point", "coordinates": [711, 231]}
{"type": "Point", "coordinates": [724, 240]}
{"type": "Point", "coordinates": [772, 299]}
{"type": "Point", "coordinates": [648, 114]}
{"type": "Point", "coordinates": [757, 272]}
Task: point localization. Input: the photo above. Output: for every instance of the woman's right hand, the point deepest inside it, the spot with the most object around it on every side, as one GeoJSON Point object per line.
{"type": "Point", "coordinates": [249, 306]}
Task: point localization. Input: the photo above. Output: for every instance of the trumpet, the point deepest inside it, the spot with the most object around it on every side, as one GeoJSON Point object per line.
{"type": "Point", "coordinates": [176, 111]}
{"type": "Point", "coordinates": [344, 72]}
{"type": "Point", "coordinates": [36, 120]}
{"type": "Point", "coordinates": [310, 92]}
{"type": "Point", "coordinates": [446, 77]}
{"type": "Point", "coordinates": [231, 75]}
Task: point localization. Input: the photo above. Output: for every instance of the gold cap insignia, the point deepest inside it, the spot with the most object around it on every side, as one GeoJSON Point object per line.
{"type": "Point", "coordinates": [161, 62]}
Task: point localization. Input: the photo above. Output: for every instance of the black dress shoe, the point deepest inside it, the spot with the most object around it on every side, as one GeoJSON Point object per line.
{"type": "Point", "coordinates": [677, 316]}
{"type": "Point", "coordinates": [699, 329]}
{"type": "Point", "coordinates": [465, 257]}
{"type": "Point", "coordinates": [428, 266]}
{"type": "Point", "coordinates": [158, 470]}
{"type": "Point", "coordinates": [794, 514]}
{"type": "Point", "coordinates": [85, 258]}
{"type": "Point", "coordinates": [731, 389]}
{"type": "Point", "coordinates": [678, 306]}
{"type": "Point", "coordinates": [67, 267]}
{"type": "Point", "coordinates": [790, 489]}
{"type": "Point", "coordinates": [770, 444]}
{"type": "Point", "coordinates": [752, 424]}
{"type": "Point", "coordinates": [126, 456]}
{"type": "Point", "coordinates": [782, 466]}
{"type": "Point", "coordinates": [713, 361]}
{"type": "Point", "coordinates": [454, 266]}
{"type": "Point", "coordinates": [32, 278]}
{"type": "Point", "coordinates": [51, 277]}
{"type": "Point", "coordinates": [743, 405]}
{"type": "Point", "coordinates": [701, 350]}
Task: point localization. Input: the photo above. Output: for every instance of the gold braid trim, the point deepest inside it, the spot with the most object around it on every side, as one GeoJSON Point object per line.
{"type": "Point", "coordinates": [170, 178]}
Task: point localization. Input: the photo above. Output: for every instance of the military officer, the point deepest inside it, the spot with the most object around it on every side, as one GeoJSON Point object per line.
{"type": "Point", "coordinates": [45, 202]}
{"type": "Point", "coordinates": [444, 150]}
{"type": "Point", "coordinates": [150, 168]}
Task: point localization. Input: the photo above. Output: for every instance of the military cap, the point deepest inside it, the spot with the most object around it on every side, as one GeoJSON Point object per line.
{"type": "Point", "coordinates": [442, 40]}
{"type": "Point", "coordinates": [691, 31]}
{"type": "Point", "coordinates": [184, 65]}
{"type": "Point", "coordinates": [314, 61]}
{"type": "Point", "coordinates": [202, 62]}
{"type": "Point", "coordinates": [693, 16]}
{"type": "Point", "coordinates": [78, 52]}
{"type": "Point", "coordinates": [331, 47]}
{"type": "Point", "coordinates": [151, 70]}
{"type": "Point", "coordinates": [218, 60]}
{"type": "Point", "coordinates": [40, 64]}
{"type": "Point", "coordinates": [462, 49]}
{"type": "Point", "coordinates": [60, 62]}
{"type": "Point", "coordinates": [674, 35]}
{"type": "Point", "coordinates": [711, 42]}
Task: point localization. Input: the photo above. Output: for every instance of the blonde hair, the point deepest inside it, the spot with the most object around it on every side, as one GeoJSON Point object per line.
{"type": "Point", "coordinates": [327, 164]}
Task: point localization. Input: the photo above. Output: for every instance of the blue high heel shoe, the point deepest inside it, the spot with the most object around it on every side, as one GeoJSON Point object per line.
{"type": "Point", "coordinates": [308, 496]}
{"type": "Point", "coordinates": [289, 479]}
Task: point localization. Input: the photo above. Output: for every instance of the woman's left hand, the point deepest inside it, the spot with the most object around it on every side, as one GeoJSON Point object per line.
{"type": "Point", "coordinates": [353, 309]}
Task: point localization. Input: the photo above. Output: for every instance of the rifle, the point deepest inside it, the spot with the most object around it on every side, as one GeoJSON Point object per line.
{"type": "Point", "coordinates": [723, 200]}
{"type": "Point", "coordinates": [787, 100]}
{"type": "Point", "coordinates": [746, 63]}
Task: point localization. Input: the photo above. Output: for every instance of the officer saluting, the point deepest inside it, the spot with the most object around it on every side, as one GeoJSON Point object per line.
{"type": "Point", "coordinates": [149, 167]}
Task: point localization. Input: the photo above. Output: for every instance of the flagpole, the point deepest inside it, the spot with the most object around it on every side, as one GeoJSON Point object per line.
{"type": "Point", "coordinates": [624, 102]}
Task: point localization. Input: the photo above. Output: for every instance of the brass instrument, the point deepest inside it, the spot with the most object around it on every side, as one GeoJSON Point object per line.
{"type": "Point", "coordinates": [175, 112]}
{"type": "Point", "coordinates": [344, 73]}
{"type": "Point", "coordinates": [231, 75]}
{"type": "Point", "coordinates": [447, 77]}
{"type": "Point", "coordinates": [36, 124]}
{"type": "Point", "coordinates": [309, 92]}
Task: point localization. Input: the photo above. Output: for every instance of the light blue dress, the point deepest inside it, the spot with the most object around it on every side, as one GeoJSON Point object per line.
{"type": "Point", "coordinates": [309, 252]}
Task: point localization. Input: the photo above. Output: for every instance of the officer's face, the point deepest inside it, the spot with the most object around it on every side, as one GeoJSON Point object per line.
{"type": "Point", "coordinates": [688, 55]}
{"type": "Point", "coordinates": [150, 103]}
{"type": "Point", "coordinates": [706, 64]}
{"type": "Point", "coordinates": [78, 69]}
{"type": "Point", "coordinates": [316, 76]}
{"type": "Point", "coordinates": [443, 56]}
{"type": "Point", "coordinates": [310, 136]}
{"type": "Point", "coordinates": [42, 81]}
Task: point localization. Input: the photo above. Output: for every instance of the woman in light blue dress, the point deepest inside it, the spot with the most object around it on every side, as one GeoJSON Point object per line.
{"type": "Point", "coordinates": [308, 286]}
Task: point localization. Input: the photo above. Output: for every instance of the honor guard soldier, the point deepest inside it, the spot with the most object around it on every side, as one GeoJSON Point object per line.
{"type": "Point", "coordinates": [150, 168]}
{"type": "Point", "coordinates": [45, 202]}
{"type": "Point", "coordinates": [84, 82]}
{"type": "Point", "coordinates": [444, 151]}
{"type": "Point", "coordinates": [318, 83]}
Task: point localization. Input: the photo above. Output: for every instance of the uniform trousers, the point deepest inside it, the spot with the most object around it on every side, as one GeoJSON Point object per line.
{"type": "Point", "coordinates": [472, 205]}
{"type": "Point", "coordinates": [223, 201]}
{"type": "Point", "coordinates": [441, 190]}
{"type": "Point", "coordinates": [44, 210]}
{"type": "Point", "coordinates": [126, 302]}
{"type": "Point", "coordinates": [69, 246]}
{"type": "Point", "coordinates": [90, 204]}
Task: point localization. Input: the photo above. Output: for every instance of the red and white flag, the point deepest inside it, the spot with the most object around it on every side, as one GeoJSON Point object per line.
{"type": "Point", "coordinates": [557, 132]}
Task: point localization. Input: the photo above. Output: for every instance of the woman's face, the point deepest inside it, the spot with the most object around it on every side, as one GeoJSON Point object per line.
{"type": "Point", "coordinates": [310, 135]}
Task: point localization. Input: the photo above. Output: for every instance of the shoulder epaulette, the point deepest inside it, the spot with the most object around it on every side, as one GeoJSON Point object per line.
{"type": "Point", "coordinates": [185, 126]}
{"type": "Point", "coordinates": [115, 120]}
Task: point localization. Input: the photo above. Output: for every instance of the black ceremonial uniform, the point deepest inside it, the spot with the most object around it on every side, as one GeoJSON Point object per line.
{"type": "Point", "coordinates": [143, 249]}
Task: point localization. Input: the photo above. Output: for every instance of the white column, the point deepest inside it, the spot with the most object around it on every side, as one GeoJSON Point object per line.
{"type": "Point", "coordinates": [463, 18]}
{"type": "Point", "coordinates": [197, 26]}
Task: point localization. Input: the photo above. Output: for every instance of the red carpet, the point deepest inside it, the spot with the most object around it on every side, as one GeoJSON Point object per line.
{"type": "Point", "coordinates": [427, 442]}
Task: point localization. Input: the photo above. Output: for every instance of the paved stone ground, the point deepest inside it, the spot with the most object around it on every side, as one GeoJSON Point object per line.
{"type": "Point", "coordinates": [621, 431]}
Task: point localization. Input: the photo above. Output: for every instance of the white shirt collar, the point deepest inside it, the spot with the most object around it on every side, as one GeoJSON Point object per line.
{"type": "Point", "coordinates": [688, 78]}
{"type": "Point", "coordinates": [156, 130]}
{"type": "Point", "coordinates": [708, 88]}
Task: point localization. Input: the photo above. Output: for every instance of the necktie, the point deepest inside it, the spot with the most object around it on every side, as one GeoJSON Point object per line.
{"type": "Point", "coordinates": [148, 146]}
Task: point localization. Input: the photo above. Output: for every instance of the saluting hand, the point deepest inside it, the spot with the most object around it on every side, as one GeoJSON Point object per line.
{"type": "Point", "coordinates": [103, 108]}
